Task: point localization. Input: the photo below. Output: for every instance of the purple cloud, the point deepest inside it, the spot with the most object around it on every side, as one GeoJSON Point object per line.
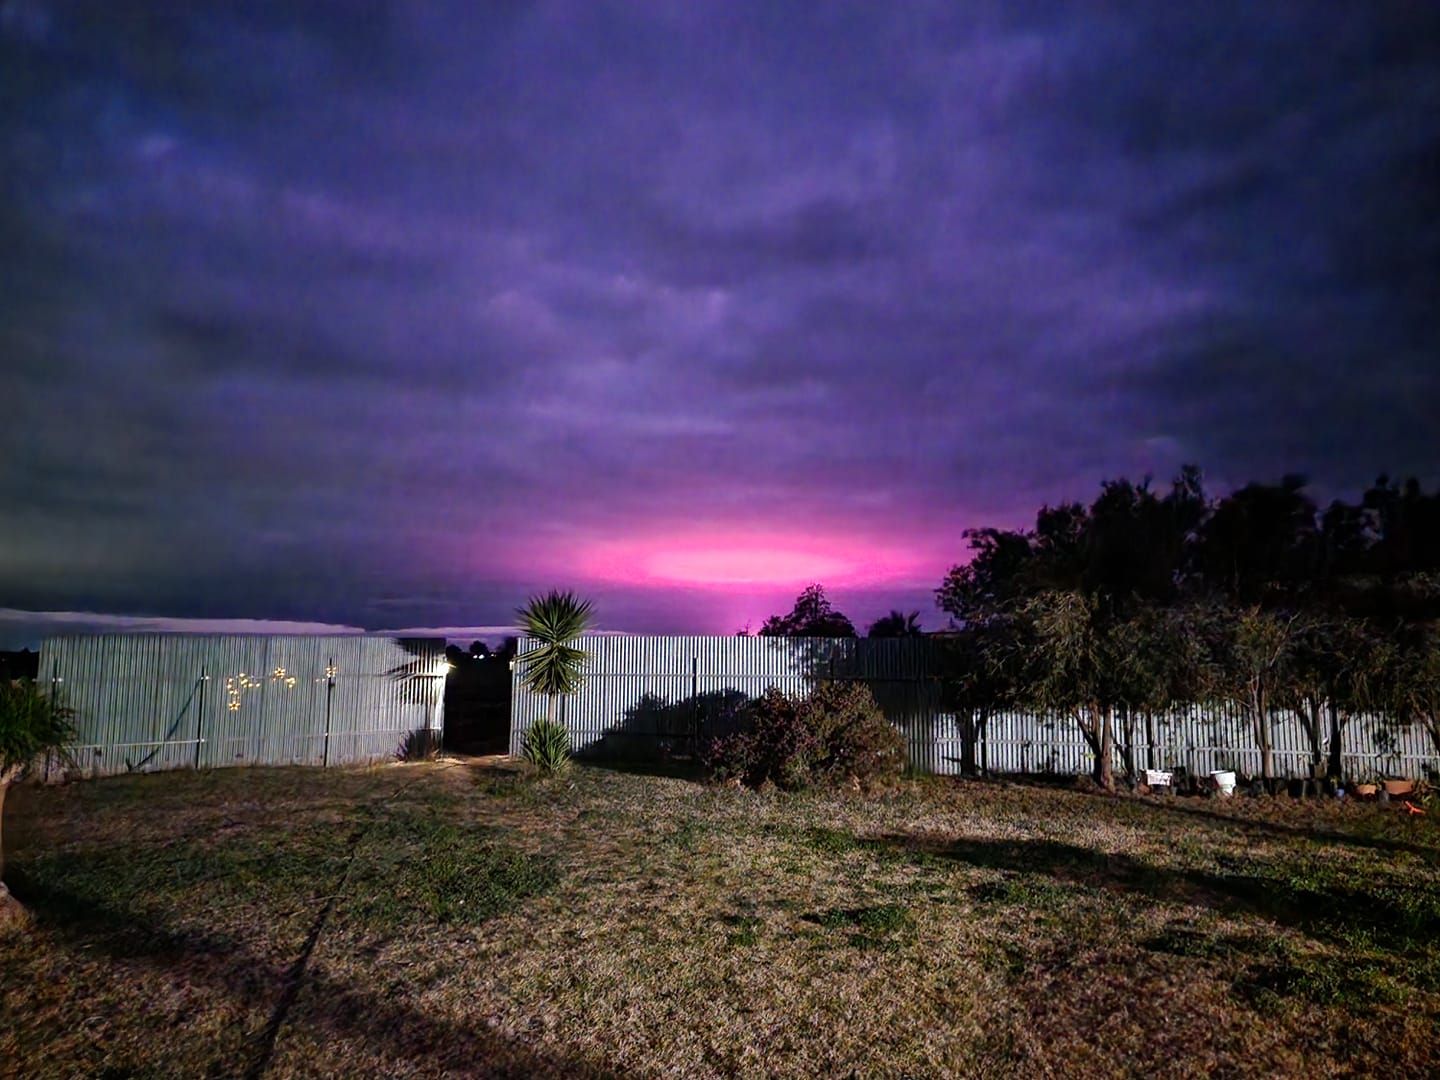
{"type": "Point", "coordinates": [389, 314]}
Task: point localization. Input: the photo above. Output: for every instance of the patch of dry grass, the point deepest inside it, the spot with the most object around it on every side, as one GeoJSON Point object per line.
{"type": "Point", "coordinates": [437, 919]}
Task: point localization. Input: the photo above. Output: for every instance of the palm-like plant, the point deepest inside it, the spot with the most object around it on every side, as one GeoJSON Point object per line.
{"type": "Point", "coordinates": [554, 668]}
{"type": "Point", "coordinates": [31, 725]}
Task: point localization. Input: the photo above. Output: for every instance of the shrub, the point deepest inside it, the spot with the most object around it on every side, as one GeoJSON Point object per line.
{"type": "Point", "coordinates": [547, 746]}
{"type": "Point", "coordinates": [31, 724]}
{"type": "Point", "coordinates": [836, 736]}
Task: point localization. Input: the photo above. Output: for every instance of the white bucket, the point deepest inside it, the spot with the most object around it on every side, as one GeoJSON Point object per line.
{"type": "Point", "coordinates": [1224, 781]}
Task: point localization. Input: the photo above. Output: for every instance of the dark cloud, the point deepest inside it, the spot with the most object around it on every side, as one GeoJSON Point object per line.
{"type": "Point", "coordinates": [380, 314]}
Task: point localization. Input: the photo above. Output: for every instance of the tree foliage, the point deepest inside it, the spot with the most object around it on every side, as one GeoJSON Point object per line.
{"type": "Point", "coordinates": [897, 624]}
{"type": "Point", "coordinates": [1116, 612]}
{"type": "Point", "coordinates": [812, 616]}
{"type": "Point", "coordinates": [31, 725]}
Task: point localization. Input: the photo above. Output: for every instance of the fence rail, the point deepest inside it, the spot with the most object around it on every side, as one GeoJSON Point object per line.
{"type": "Point", "coordinates": [659, 695]}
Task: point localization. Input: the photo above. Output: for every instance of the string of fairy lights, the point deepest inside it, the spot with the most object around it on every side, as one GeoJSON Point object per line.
{"type": "Point", "coordinates": [237, 685]}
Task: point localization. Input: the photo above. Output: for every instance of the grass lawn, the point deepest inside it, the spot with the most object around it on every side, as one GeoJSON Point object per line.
{"type": "Point", "coordinates": [453, 918]}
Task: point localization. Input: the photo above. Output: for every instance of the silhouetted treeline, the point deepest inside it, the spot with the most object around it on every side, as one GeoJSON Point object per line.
{"type": "Point", "coordinates": [1146, 600]}
{"type": "Point", "coordinates": [22, 664]}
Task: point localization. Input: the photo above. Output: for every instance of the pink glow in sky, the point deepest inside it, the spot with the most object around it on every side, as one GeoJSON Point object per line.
{"type": "Point", "coordinates": [723, 559]}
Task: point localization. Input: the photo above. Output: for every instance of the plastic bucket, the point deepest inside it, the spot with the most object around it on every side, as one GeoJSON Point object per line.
{"type": "Point", "coordinates": [1224, 781]}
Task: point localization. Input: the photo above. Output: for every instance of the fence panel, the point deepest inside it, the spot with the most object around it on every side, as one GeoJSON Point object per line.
{"type": "Point", "coordinates": [646, 696]}
{"type": "Point", "coordinates": [149, 702]}
{"type": "Point", "coordinates": [656, 695]}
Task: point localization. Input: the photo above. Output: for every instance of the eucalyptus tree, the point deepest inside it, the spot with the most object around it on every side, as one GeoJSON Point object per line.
{"type": "Point", "coordinates": [983, 669]}
{"type": "Point", "coordinates": [1338, 665]}
{"type": "Point", "coordinates": [1159, 665]}
{"type": "Point", "coordinates": [812, 616]}
{"type": "Point", "coordinates": [1251, 663]}
{"type": "Point", "coordinates": [554, 667]}
{"type": "Point", "coordinates": [1070, 668]}
{"type": "Point", "coordinates": [1136, 539]}
{"type": "Point", "coordinates": [994, 580]}
{"type": "Point", "coordinates": [1411, 689]}
{"type": "Point", "coordinates": [31, 726]}
{"type": "Point", "coordinates": [1260, 544]}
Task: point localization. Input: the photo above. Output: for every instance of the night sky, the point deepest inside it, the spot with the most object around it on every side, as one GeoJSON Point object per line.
{"type": "Point", "coordinates": [389, 314]}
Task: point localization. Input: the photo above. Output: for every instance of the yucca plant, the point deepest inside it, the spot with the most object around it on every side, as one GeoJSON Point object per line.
{"type": "Point", "coordinates": [31, 725]}
{"type": "Point", "coordinates": [554, 668]}
{"type": "Point", "coordinates": [547, 746]}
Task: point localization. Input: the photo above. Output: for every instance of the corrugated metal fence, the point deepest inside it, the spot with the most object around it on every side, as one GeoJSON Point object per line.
{"type": "Point", "coordinates": [652, 696]}
{"type": "Point", "coordinates": [147, 702]}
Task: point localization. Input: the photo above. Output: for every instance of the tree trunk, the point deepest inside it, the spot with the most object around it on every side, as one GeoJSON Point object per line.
{"type": "Point", "coordinates": [967, 743]}
{"type": "Point", "coordinates": [1107, 750]}
{"type": "Point", "coordinates": [1127, 744]}
{"type": "Point", "coordinates": [1262, 735]}
{"type": "Point", "coordinates": [972, 728]}
{"type": "Point", "coordinates": [1337, 745]}
{"type": "Point", "coordinates": [1150, 740]}
{"type": "Point", "coordinates": [1100, 735]}
{"type": "Point", "coordinates": [1314, 735]}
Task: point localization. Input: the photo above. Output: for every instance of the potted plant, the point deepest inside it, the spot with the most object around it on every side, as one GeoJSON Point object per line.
{"type": "Point", "coordinates": [1396, 787]}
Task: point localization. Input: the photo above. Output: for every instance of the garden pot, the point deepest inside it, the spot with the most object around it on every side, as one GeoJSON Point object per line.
{"type": "Point", "coordinates": [1398, 787]}
{"type": "Point", "coordinates": [1160, 778]}
{"type": "Point", "coordinates": [1365, 791]}
{"type": "Point", "coordinates": [1224, 781]}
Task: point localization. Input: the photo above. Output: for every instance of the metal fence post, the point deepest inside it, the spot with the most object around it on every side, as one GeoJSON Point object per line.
{"type": "Point", "coordinates": [54, 709]}
{"type": "Point", "coordinates": [696, 718]}
{"type": "Point", "coordinates": [200, 714]}
{"type": "Point", "coordinates": [329, 693]}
